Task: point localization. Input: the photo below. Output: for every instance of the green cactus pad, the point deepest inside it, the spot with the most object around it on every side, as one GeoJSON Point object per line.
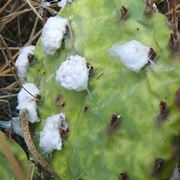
{"type": "Point", "coordinates": [89, 151]}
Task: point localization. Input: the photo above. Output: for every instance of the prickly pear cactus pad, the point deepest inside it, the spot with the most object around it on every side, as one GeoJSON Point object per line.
{"type": "Point", "coordinates": [128, 127]}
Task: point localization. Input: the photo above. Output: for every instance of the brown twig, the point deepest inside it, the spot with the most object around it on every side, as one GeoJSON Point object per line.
{"type": "Point", "coordinates": [34, 10]}
{"type": "Point", "coordinates": [174, 26]}
{"type": "Point", "coordinates": [29, 142]}
{"type": "Point", "coordinates": [5, 5]}
{"type": "Point", "coordinates": [35, 26]}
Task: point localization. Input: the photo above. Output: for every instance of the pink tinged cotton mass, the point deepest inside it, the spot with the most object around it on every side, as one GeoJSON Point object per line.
{"type": "Point", "coordinates": [73, 73]}
{"type": "Point", "coordinates": [53, 33]}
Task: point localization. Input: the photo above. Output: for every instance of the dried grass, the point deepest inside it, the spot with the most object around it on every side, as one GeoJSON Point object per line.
{"type": "Point", "coordinates": [21, 22]}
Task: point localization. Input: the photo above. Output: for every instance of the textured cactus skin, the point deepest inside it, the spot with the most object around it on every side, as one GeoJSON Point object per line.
{"type": "Point", "coordinates": [89, 151]}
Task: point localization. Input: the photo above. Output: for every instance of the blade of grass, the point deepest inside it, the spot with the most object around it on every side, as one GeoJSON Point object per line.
{"type": "Point", "coordinates": [5, 5]}
{"type": "Point", "coordinates": [13, 162]}
{"type": "Point", "coordinates": [31, 171]}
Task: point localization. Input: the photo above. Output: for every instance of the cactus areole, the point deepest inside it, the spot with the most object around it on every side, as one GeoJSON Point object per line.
{"type": "Point", "coordinates": [130, 127]}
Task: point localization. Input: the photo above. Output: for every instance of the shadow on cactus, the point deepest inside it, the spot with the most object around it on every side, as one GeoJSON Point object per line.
{"type": "Point", "coordinates": [125, 122]}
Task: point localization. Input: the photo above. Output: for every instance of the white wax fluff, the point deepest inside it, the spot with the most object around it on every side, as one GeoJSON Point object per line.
{"type": "Point", "coordinates": [73, 73]}
{"type": "Point", "coordinates": [46, 4]}
{"type": "Point", "coordinates": [63, 3]}
{"type": "Point", "coordinates": [133, 54]}
{"type": "Point", "coordinates": [50, 138]}
{"type": "Point", "coordinates": [53, 33]}
{"type": "Point", "coordinates": [13, 124]}
{"type": "Point", "coordinates": [22, 62]}
{"type": "Point", "coordinates": [27, 101]}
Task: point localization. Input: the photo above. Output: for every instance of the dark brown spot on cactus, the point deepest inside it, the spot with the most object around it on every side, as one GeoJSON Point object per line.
{"type": "Point", "coordinates": [124, 13]}
{"type": "Point", "coordinates": [90, 68]}
{"type": "Point", "coordinates": [152, 54]}
{"type": "Point", "coordinates": [157, 167]}
{"type": "Point", "coordinates": [86, 108]}
{"type": "Point", "coordinates": [80, 178]}
{"type": "Point", "coordinates": [176, 145]}
{"type": "Point", "coordinates": [59, 102]}
{"type": "Point", "coordinates": [63, 129]}
{"type": "Point", "coordinates": [63, 132]}
{"type": "Point", "coordinates": [30, 58]}
{"type": "Point", "coordinates": [177, 98]}
{"type": "Point", "coordinates": [114, 124]}
{"type": "Point", "coordinates": [62, 105]}
{"type": "Point", "coordinates": [123, 176]}
{"type": "Point", "coordinates": [38, 99]}
{"type": "Point", "coordinates": [164, 112]}
{"type": "Point", "coordinates": [100, 76]}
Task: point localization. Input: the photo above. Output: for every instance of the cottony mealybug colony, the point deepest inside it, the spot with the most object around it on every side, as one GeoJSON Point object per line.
{"type": "Point", "coordinates": [130, 128]}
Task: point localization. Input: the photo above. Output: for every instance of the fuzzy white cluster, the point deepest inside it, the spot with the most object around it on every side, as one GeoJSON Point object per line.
{"type": "Point", "coordinates": [73, 73]}
{"type": "Point", "coordinates": [27, 101]}
{"type": "Point", "coordinates": [50, 138]}
{"type": "Point", "coordinates": [46, 4]}
{"type": "Point", "coordinates": [134, 55]}
{"type": "Point", "coordinates": [22, 62]}
{"type": "Point", "coordinates": [13, 124]}
{"type": "Point", "coordinates": [63, 3]}
{"type": "Point", "coordinates": [53, 33]}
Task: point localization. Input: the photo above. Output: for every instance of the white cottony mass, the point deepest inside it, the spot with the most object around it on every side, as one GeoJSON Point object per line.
{"type": "Point", "coordinates": [73, 73]}
{"type": "Point", "coordinates": [134, 55]}
{"type": "Point", "coordinates": [62, 3]}
{"type": "Point", "coordinates": [53, 33]}
{"type": "Point", "coordinates": [23, 61]}
{"type": "Point", "coordinates": [27, 100]}
{"type": "Point", "coordinates": [50, 138]}
{"type": "Point", "coordinates": [13, 124]}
